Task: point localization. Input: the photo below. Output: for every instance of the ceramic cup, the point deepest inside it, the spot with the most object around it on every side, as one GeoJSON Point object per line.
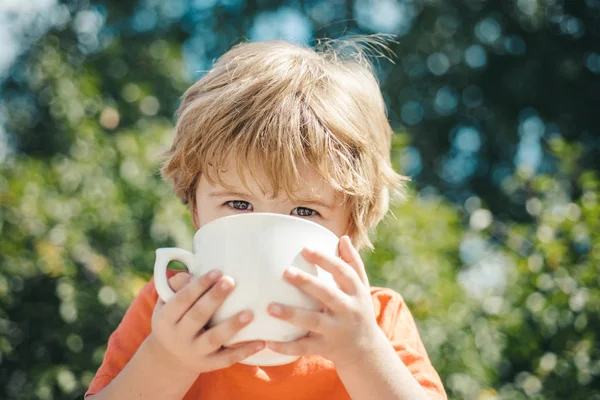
{"type": "Point", "coordinates": [254, 249]}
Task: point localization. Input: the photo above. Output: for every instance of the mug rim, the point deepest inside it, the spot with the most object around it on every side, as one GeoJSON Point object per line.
{"type": "Point", "coordinates": [268, 215]}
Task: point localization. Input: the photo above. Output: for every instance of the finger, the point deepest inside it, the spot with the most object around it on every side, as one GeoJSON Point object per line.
{"type": "Point", "coordinates": [159, 306]}
{"type": "Point", "coordinates": [232, 355]}
{"type": "Point", "coordinates": [212, 339]}
{"type": "Point", "coordinates": [185, 298]}
{"type": "Point", "coordinates": [350, 255]}
{"type": "Point", "coordinates": [310, 320]}
{"type": "Point", "coordinates": [305, 346]}
{"type": "Point", "coordinates": [331, 297]}
{"type": "Point", "coordinates": [203, 309]}
{"type": "Point", "coordinates": [343, 274]}
{"type": "Point", "coordinates": [178, 281]}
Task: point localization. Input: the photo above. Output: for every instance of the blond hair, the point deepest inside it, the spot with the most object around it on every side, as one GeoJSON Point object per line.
{"type": "Point", "coordinates": [274, 106]}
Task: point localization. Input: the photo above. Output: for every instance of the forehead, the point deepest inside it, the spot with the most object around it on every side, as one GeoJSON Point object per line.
{"type": "Point", "coordinates": [308, 185]}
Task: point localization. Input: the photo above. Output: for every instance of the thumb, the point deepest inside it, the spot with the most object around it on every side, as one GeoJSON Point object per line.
{"type": "Point", "coordinates": [178, 281]}
{"type": "Point", "coordinates": [350, 255]}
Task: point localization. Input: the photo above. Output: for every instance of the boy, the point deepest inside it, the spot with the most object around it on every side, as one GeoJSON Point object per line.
{"type": "Point", "coordinates": [279, 128]}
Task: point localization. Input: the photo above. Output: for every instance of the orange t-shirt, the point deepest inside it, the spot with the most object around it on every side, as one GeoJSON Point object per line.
{"type": "Point", "coordinates": [307, 378]}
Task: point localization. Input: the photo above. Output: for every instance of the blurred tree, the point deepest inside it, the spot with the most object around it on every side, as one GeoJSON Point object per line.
{"type": "Point", "coordinates": [550, 316]}
{"type": "Point", "coordinates": [482, 86]}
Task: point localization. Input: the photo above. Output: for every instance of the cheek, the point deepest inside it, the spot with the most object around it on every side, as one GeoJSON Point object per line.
{"type": "Point", "coordinates": [338, 225]}
{"type": "Point", "coordinates": [205, 214]}
{"type": "Point", "coordinates": [339, 230]}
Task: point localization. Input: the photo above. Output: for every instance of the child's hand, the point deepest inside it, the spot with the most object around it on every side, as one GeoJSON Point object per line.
{"type": "Point", "coordinates": [178, 326]}
{"type": "Point", "coordinates": [346, 329]}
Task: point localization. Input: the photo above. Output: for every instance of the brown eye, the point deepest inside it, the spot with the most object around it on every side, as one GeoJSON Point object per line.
{"type": "Point", "coordinates": [240, 205]}
{"type": "Point", "coordinates": [304, 212]}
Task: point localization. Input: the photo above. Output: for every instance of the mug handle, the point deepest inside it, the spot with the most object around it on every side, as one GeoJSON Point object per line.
{"type": "Point", "coordinates": [163, 257]}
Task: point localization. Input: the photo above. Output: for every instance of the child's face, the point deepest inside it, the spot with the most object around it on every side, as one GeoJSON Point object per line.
{"type": "Point", "coordinates": [319, 202]}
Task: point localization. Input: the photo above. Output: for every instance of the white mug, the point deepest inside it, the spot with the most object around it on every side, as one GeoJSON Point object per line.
{"type": "Point", "coordinates": [254, 249]}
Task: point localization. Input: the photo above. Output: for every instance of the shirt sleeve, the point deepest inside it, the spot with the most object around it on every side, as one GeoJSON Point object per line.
{"type": "Point", "coordinates": [127, 338]}
{"type": "Point", "coordinates": [397, 322]}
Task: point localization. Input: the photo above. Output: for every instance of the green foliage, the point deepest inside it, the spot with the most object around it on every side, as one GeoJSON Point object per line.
{"type": "Point", "coordinates": [551, 317]}
{"type": "Point", "coordinates": [77, 244]}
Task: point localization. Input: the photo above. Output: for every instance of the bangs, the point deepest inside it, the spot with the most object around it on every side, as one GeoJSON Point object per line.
{"type": "Point", "coordinates": [276, 138]}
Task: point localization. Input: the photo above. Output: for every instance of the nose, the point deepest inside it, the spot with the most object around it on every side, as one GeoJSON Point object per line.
{"type": "Point", "coordinates": [274, 207]}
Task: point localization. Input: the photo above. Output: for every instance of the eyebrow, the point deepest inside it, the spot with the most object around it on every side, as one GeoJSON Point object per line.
{"type": "Point", "coordinates": [306, 201]}
{"type": "Point", "coordinates": [228, 193]}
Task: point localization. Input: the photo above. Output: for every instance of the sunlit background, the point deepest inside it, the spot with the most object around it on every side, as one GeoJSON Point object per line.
{"type": "Point", "coordinates": [496, 108]}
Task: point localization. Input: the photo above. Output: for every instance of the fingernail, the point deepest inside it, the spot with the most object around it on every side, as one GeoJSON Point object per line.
{"type": "Point", "coordinates": [259, 346]}
{"type": "Point", "coordinates": [214, 274]}
{"type": "Point", "coordinates": [225, 285]}
{"type": "Point", "coordinates": [245, 316]}
{"type": "Point", "coordinates": [309, 250]}
{"type": "Point", "coordinates": [275, 309]}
